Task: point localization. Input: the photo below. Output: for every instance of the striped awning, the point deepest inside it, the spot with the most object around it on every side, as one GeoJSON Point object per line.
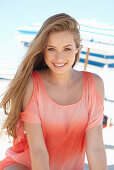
{"type": "Point", "coordinates": [98, 43]}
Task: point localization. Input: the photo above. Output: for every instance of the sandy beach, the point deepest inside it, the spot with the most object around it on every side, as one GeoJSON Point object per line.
{"type": "Point", "coordinates": [108, 136]}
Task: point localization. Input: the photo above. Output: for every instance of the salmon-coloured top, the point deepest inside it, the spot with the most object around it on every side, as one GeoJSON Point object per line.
{"type": "Point", "coordinates": [64, 127]}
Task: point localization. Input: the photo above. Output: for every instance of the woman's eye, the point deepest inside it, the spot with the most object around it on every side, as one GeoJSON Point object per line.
{"type": "Point", "coordinates": [67, 49]}
{"type": "Point", "coordinates": [51, 49]}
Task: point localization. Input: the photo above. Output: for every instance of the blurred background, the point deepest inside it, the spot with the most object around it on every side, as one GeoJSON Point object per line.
{"type": "Point", "coordinates": [20, 22]}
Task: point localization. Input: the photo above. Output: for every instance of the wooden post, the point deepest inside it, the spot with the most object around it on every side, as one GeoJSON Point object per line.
{"type": "Point", "coordinates": [86, 60]}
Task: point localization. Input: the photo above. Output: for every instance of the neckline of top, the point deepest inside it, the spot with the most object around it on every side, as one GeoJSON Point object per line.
{"type": "Point", "coordinates": [59, 105]}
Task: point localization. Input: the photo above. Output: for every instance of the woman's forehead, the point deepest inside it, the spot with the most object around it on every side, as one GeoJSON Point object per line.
{"type": "Point", "coordinates": [64, 38]}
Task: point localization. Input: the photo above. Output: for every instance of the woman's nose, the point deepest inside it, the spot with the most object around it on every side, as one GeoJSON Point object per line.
{"type": "Point", "coordinates": [59, 55]}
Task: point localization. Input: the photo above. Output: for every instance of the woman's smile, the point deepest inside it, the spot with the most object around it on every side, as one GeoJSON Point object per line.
{"type": "Point", "coordinates": [59, 66]}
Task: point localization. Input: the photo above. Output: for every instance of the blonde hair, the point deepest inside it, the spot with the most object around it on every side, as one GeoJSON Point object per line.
{"type": "Point", "coordinates": [34, 60]}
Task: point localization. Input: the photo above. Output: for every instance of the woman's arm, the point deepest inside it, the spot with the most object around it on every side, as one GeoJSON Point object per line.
{"type": "Point", "coordinates": [38, 151]}
{"type": "Point", "coordinates": [95, 149]}
{"type": "Point", "coordinates": [94, 140]}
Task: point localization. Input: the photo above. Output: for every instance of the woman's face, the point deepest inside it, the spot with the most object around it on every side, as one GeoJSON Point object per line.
{"type": "Point", "coordinates": [60, 51]}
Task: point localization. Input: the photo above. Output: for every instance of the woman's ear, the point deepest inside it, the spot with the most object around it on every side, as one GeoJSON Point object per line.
{"type": "Point", "coordinates": [79, 48]}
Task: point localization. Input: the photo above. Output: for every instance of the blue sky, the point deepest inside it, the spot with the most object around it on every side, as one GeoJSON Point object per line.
{"type": "Point", "coordinates": [14, 14]}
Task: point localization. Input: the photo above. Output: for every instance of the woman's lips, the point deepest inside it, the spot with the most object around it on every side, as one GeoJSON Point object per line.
{"type": "Point", "coordinates": [59, 65]}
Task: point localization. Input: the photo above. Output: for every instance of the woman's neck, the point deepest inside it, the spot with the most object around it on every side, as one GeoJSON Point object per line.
{"type": "Point", "coordinates": [61, 79]}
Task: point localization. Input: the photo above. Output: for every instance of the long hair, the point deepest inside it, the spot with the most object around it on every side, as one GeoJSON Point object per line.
{"type": "Point", "coordinates": [34, 60]}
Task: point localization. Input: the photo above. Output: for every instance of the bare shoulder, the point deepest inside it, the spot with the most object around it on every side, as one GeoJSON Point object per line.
{"type": "Point", "coordinates": [78, 75]}
{"type": "Point", "coordinates": [99, 84]}
{"type": "Point", "coordinates": [28, 94]}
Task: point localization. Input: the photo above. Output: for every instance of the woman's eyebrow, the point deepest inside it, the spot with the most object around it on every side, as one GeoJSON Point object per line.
{"type": "Point", "coordinates": [50, 46]}
{"type": "Point", "coordinates": [68, 45]}
{"type": "Point", "coordinates": [54, 46]}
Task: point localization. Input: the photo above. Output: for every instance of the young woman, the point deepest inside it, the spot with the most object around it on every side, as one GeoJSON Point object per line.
{"type": "Point", "coordinates": [54, 112]}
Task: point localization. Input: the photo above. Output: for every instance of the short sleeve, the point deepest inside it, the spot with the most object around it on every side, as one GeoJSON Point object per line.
{"type": "Point", "coordinates": [31, 114]}
{"type": "Point", "coordinates": [96, 108]}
